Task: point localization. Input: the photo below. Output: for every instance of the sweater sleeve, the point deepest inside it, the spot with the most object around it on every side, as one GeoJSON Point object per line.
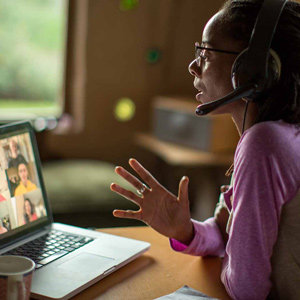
{"type": "Point", "coordinates": [264, 181]}
{"type": "Point", "coordinates": [207, 240]}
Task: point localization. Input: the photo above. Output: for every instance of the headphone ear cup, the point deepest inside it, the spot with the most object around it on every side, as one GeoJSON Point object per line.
{"type": "Point", "coordinates": [274, 68]}
{"type": "Point", "coordinates": [236, 69]}
{"type": "Point", "coordinates": [272, 75]}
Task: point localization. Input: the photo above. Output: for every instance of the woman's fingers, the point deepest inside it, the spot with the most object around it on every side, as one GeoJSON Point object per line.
{"type": "Point", "coordinates": [145, 174]}
{"type": "Point", "coordinates": [128, 214]}
{"type": "Point", "coordinates": [224, 188]}
{"type": "Point", "coordinates": [183, 191]}
{"type": "Point", "coordinates": [125, 193]}
{"type": "Point", "coordinates": [135, 182]}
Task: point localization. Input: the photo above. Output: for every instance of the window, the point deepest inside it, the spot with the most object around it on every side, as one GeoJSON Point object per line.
{"type": "Point", "coordinates": [32, 58]}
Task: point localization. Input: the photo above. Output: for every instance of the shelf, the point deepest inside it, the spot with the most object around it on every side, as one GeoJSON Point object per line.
{"type": "Point", "coordinates": [178, 155]}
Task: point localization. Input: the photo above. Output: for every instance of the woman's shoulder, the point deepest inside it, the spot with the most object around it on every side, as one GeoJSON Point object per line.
{"type": "Point", "coordinates": [272, 140]}
{"type": "Point", "coordinates": [269, 152]}
{"type": "Point", "coordinates": [271, 134]}
{"type": "Point", "coordinates": [273, 127]}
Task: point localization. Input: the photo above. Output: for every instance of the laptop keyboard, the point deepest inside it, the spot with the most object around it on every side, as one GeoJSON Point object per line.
{"type": "Point", "coordinates": [50, 247]}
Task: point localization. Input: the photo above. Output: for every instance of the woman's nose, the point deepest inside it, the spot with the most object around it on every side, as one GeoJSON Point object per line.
{"type": "Point", "coordinates": [194, 69]}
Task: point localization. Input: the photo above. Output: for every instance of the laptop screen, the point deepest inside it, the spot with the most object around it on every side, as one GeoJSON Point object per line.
{"type": "Point", "coordinates": [22, 200]}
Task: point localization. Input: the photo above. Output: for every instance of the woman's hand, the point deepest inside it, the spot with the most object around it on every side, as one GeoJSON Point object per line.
{"type": "Point", "coordinates": [160, 209]}
{"type": "Point", "coordinates": [221, 215]}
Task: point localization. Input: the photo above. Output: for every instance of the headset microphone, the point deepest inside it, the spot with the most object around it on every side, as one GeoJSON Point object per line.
{"type": "Point", "coordinates": [256, 69]}
{"type": "Point", "coordinates": [244, 91]}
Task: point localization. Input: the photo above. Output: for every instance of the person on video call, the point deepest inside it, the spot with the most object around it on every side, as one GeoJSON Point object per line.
{"type": "Point", "coordinates": [256, 224]}
{"type": "Point", "coordinates": [29, 211]}
{"type": "Point", "coordinates": [25, 185]}
{"type": "Point", "coordinates": [2, 198]}
{"type": "Point", "coordinates": [16, 158]}
{"type": "Point", "coordinates": [2, 229]}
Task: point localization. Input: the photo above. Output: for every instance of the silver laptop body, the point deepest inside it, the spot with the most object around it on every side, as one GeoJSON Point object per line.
{"type": "Point", "coordinates": [67, 274]}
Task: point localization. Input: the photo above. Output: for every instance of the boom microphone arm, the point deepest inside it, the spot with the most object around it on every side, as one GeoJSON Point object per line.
{"type": "Point", "coordinates": [241, 92]}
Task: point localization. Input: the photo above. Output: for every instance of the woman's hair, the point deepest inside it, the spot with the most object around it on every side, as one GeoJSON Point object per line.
{"type": "Point", "coordinates": [26, 217]}
{"type": "Point", "coordinates": [283, 100]}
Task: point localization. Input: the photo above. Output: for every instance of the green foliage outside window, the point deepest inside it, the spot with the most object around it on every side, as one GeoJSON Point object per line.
{"type": "Point", "coordinates": [32, 41]}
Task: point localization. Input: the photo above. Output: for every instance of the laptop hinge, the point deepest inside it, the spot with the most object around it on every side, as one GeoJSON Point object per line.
{"type": "Point", "coordinates": [27, 238]}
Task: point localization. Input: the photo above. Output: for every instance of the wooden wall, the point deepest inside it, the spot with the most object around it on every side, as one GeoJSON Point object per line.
{"type": "Point", "coordinates": [106, 60]}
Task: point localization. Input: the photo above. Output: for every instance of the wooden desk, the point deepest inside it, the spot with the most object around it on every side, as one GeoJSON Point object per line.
{"type": "Point", "coordinates": [158, 272]}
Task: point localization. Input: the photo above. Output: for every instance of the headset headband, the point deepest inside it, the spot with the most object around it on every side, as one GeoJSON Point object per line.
{"type": "Point", "coordinates": [256, 60]}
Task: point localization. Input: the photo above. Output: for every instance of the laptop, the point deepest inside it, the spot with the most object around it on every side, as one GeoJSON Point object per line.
{"type": "Point", "coordinates": [68, 258]}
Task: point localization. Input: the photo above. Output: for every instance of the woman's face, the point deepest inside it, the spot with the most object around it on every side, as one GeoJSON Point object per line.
{"type": "Point", "coordinates": [213, 77]}
{"type": "Point", "coordinates": [27, 207]}
{"type": "Point", "coordinates": [23, 173]}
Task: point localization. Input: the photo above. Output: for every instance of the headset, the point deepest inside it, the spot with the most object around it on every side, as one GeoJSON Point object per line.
{"type": "Point", "coordinates": [257, 68]}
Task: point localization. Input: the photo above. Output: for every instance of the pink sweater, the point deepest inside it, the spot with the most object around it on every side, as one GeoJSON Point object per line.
{"type": "Point", "coordinates": [266, 176]}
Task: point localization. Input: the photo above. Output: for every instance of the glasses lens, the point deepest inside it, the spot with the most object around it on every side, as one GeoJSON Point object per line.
{"type": "Point", "coordinates": [197, 54]}
{"type": "Point", "coordinates": [198, 57]}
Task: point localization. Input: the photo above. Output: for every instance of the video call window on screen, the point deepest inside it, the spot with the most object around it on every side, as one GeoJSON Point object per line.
{"type": "Point", "coordinates": [21, 199]}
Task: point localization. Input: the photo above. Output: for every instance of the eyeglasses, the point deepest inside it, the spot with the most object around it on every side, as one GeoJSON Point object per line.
{"type": "Point", "coordinates": [199, 52]}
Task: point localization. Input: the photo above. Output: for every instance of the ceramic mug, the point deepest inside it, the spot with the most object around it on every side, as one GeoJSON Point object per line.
{"type": "Point", "coordinates": [15, 277]}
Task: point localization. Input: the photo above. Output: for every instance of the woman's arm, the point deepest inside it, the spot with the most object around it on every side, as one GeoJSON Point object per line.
{"type": "Point", "coordinates": [210, 236]}
{"type": "Point", "coordinates": [266, 177]}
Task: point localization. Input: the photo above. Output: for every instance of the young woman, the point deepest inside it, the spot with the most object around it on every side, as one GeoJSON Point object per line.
{"type": "Point", "coordinates": [29, 211]}
{"type": "Point", "coordinates": [256, 226]}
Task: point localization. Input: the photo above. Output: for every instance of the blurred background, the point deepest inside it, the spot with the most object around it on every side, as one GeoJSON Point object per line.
{"type": "Point", "coordinates": [104, 81]}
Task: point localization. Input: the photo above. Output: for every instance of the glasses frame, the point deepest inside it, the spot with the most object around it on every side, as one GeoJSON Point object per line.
{"type": "Point", "coordinates": [197, 53]}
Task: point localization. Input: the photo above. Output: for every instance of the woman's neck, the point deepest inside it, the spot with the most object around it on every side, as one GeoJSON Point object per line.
{"type": "Point", "coordinates": [239, 114]}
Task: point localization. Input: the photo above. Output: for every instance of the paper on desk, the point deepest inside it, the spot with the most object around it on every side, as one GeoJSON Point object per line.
{"type": "Point", "coordinates": [186, 293]}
